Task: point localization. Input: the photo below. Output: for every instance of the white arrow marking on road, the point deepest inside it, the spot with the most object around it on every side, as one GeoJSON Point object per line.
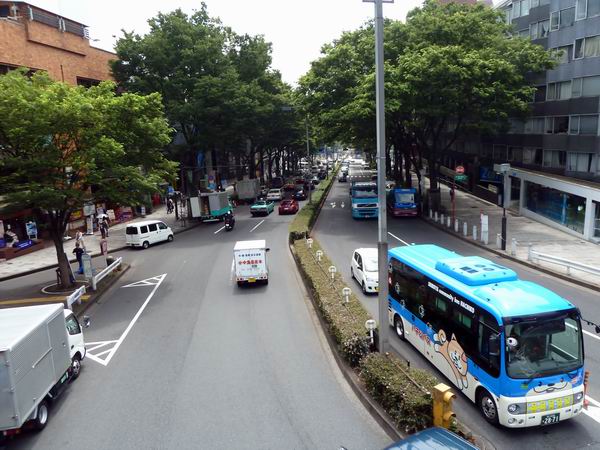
{"type": "Point", "coordinates": [220, 229]}
{"type": "Point", "coordinates": [257, 225]}
{"type": "Point", "coordinates": [333, 204]}
{"type": "Point", "coordinates": [396, 237]}
{"type": "Point", "coordinates": [342, 205]}
{"type": "Point", "coordinates": [593, 409]}
{"type": "Point", "coordinates": [111, 352]}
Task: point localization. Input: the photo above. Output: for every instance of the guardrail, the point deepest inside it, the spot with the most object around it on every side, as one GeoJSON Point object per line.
{"type": "Point", "coordinates": [75, 297]}
{"type": "Point", "coordinates": [532, 255]}
{"type": "Point", "coordinates": [99, 276]}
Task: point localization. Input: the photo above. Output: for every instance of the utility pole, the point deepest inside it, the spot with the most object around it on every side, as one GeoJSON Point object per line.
{"type": "Point", "coordinates": [308, 159]}
{"type": "Point", "coordinates": [382, 245]}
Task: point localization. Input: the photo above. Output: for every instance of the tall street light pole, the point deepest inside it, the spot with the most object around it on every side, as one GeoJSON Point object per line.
{"type": "Point", "coordinates": [382, 246]}
{"type": "Point", "coordinates": [308, 160]}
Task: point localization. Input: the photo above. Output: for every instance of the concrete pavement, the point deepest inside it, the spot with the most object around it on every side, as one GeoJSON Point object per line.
{"type": "Point", "coordinates": [525, 231]}
{"type": "Point", "coordinates": [46, 257]}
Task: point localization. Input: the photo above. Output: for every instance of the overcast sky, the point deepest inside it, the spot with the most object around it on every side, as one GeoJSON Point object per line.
{"type": "Point", "coordinates": [296, 28]}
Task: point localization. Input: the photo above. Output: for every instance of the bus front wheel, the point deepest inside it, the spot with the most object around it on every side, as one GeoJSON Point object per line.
{"type": "Point", "coordinates": [487, 406]}
{"type": "Point", "coordinates": [399, 327]}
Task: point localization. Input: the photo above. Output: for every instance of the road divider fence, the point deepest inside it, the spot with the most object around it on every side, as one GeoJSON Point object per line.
{"type": "Point", "coordinates": [100, 275]}
{"type": "Point", "coordinates": [75, 297]}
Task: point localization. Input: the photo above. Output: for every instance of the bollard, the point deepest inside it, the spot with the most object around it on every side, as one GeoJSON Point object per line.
{"type": "Point", "coordinates": [319, 254]}
{"type": "Point", "coordinates": [449, 222]}
{"type": "Point", "coordinates": [436, 216]}
{"type": "Point", "coordinates": [442, 218]}
{"type": "Point", "coordinates": [513, 247]}
{"type": "Point", "coordinates": [431, 213]}
{"type": "Point", "coordinates": [485, 237]}
{"type": "Point", "coordinates": [499, 241]}
{"type": "Point", "coordinates": [456, 225]}
{"type": "Point", "coordinates": [465, 229]}
{"type": "Point", "coordinates": [474, 232]}
{"type": "Point", "coordinates": [529, 255]}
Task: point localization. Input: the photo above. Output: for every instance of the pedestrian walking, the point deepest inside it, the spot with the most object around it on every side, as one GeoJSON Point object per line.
{"type": "Point", "coordinates": [78, 251]}
{"type": "Point", "coordinates": [170, 206]}
{"type": "Point", "coordinates": [79, 240]}
{"type": "Point", "coordinates": [104, 227]}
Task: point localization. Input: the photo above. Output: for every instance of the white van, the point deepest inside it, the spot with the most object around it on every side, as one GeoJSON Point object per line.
{"type": "Point", "coordinates": [143, 234]}
{"type": "Point", "coordinates": [250, 261]}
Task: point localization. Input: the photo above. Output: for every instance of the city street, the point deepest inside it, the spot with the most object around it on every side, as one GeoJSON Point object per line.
{"type": "Point", "coordinates": [339, 235]}
{"type": "Point", "coordinates": [180, 357]}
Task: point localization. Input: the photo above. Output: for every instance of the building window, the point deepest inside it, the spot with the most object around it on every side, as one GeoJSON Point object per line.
{"type": "Point", "coordinates": [576, 87]}
{"type": "Point", "coordinates": [516, 126]}
{"type": "Point", "coordinates": [557, 125]}
{"type": "Point", "coordinates": [532, 156]}
{"type": "Point", "coordinates": [590, 86]}
{"type": "Point", "coordinates": [534, 125]}
{"type": "Point", "coordinates": [562, 54]}
{"type": "Point", "coordinates": [580, 7]}
{"type": "Point", "coordinates": [523, 33]}
{"type": "Point", "coordinates": [587, 125]}
{"type": "Point", "coordinates": [500, 152]}
{"type": "Point", "coordinates": [540, 94]}
{"type": "Point", "coordinates": [87, 82]}
{"type": "Point", "coordinates": [588, 47]}
{"type": "Point", "coordinates": [561, 19]}
{"type": "Point", "coordinates": [593, 8]}
{"type": "Point", "coordinates": [561, 207]}
{"type": "Point", "coordinates": [515, 154]}
{"type": "Point", "coordinates": [559, 91]}
{"type": "Point", "coordinates": [579, 162]}
{"type": "Point", "coordinates": [555, 158]}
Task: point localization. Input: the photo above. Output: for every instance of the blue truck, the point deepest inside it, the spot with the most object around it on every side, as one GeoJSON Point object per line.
{"type": "Point", "coordinates": [364, 199]}
{"type": "Point", "coordinates": [403, 202]}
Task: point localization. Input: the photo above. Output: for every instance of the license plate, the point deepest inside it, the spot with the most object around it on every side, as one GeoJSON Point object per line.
{"type": "Point", "coordinates": [550, 418]}
{"type": "Point", "coordinates": [251, 280]}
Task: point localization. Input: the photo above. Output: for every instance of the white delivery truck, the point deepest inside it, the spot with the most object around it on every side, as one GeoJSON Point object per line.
{"type": "Point", "coordinates": [248, 189]}
{"type": "Point", "coordinates": [41, 348]}
{"type": "Point", "coordinates": [250, 260]}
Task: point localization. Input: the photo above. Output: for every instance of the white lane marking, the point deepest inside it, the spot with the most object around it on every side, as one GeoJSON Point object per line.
{"type": "Point", "coordinates": [396, 237]}
{"type": "Point", "coordinates": [220, 229]}
{"type": "Point", "coordinates": [147, 282]}
{"type": "Point", "coordinates": [232, 269]}
{"type": "Point", "coordinates": [257, 225]}
{"type": "Point", "coordinates": [586, 332]}
{"type": "Point", "coordinates": [592, 411]}
{"type": "Point", "coordinates": [111, 352]}
{"type": "Point", "coordinates": [591, 400]}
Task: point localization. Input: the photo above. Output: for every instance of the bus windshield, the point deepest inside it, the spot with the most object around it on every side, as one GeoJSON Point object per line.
{"type": "Point", "coordinates": [364, 192]}
{"type": "Point", "coordinates": [544, 347]}
{"type": "Point", "coordinates": [403, 197]}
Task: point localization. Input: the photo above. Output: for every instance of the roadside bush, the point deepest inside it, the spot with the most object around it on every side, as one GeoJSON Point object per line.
{"type": "Point", "coordinates": [404, 393]}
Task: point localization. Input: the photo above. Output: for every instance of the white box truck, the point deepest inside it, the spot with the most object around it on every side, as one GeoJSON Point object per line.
{"type": "Point", "coordinates": [210, 206]}
{"type": "Point", "coordinates": [250, 260]}
{"type": "Point", "coordinates": [41, 348]}
{"type": "Point", "coordinates": [248, 189]}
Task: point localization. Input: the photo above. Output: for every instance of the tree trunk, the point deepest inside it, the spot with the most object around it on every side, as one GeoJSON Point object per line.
{"type": "Point", "coordinates": [56, 227]}
{"type": "Point", "coordinates": [407, 174]}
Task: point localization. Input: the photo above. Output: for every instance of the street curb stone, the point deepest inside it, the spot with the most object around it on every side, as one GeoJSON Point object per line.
{"type": "Point", "coordinates": [113, 250]}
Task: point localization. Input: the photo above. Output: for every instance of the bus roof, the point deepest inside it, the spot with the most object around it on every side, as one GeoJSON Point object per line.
{"type": "Point", "coordinates": [482, 281]}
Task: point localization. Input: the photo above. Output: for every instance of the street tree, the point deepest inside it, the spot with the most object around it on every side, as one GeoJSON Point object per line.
{"type": "Point", "coordinates": [62, 146]}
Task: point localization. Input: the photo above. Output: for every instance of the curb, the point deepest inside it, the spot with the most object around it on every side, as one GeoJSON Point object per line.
{"type": "Point", "coordinates": [52, 266]}
{"type": "Point", "coordinates": [350, 376]}
{"type": "Point", "coordinates": [100, 292]}
{"type": "Point", "coordinates": [545, 270]}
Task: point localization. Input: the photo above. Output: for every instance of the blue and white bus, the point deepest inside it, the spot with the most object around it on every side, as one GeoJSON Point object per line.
{"type": "Point", "coordinates": [513, 347]}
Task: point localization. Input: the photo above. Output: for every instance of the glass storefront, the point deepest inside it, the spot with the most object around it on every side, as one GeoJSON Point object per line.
{"type": "Point", "coordinates": [597, 221]}
{"type": "Point", "coordinates": [561, 207]}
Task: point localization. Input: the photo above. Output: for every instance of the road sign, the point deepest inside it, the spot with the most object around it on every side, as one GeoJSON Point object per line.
{"type": "Point", "coordinates": [459, 170]}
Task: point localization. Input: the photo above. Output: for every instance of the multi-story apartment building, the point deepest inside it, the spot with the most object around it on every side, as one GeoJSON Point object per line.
{"type": "Point", "coordinates": [554, 154]}
{"type": "Point", "coordinates": [40, 40]}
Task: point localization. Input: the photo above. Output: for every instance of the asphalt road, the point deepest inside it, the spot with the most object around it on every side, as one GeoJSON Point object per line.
{"type": "Point", "coordinates": [339, 235]}
{"type": "Point", "coordinates": [180, 357]}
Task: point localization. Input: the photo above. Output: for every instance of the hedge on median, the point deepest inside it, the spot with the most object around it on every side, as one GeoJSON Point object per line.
{"type": "Point", "coordinates": [404, 393]}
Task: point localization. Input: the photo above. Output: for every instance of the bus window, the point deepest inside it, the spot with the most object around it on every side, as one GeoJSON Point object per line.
{"type": "Point", "coordinates": [483, 357]}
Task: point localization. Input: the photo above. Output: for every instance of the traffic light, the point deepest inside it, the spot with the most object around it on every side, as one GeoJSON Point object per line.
{"type": "Point", "coordinates": [443, 416]}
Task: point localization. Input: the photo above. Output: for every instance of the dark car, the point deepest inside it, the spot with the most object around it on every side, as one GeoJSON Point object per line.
{"type": "Point", "coordinates": [277, 183]}
{"type": "Point", "coordinates": [288, 207]}
{"type": "Point", "coordinates": [300, 194]}
{"type": "Point", "coordinates": [289, 187]}
{"type": "Point", "coordinates": [435, 438]}
{"type": "Point", "coordinates": [315, 181]}
{"type": "Point", "coordinates": [308, 186]}
{"type": "Point", "coordinates": [322, 175]}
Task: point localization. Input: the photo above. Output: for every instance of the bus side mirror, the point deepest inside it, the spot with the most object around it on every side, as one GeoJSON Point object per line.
{"type": "Point", "coordinates": [267, 249]}
{"type": "Point", "coordinates": [494, 345]}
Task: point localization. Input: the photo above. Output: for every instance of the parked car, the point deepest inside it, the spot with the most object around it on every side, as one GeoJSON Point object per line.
{"type": "Point", "coordinates": [275, 195]}
{"type": "Point", "coordinates": [308, 185]}
{"type": "Point", "coordinates": [315, 181]}
{"type": "Point", "coordinates": [288, 207]}
{"type": "Point", "coordinates": [343, 177]}
{"type": "Point", "coordinates": [432, 438]}
{"type": "Point", "coordinates": [289, 187]}
{"type": "Point", "coordinates": [300, 194]}
{"type": "Point", "coordinates": [262, 207]}
{"type": "Point", "coordinates": [143, 234]}
{"type": "Point", "coordinates": [364, 270]}
{"type": "Point", "coordinates": [276, 182]}
{"type": "Point", "coordinates": [322, 175]}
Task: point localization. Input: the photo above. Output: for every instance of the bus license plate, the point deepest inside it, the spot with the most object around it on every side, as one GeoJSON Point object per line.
{"type": "Point", "coordinates": [251, 280]}
{"type": "Point", "coordinates": [551, 418]}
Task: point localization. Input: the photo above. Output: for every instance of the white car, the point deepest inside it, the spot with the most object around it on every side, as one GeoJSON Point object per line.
{"type": "Point", "coordinates": [363, 268]}
{"type": "Point", "coordinates": [275, 195]}
{"type": "Point", "coordinates": [144, 234]}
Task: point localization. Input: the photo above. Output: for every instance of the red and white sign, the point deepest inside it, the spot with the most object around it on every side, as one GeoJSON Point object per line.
{"type": "Point", "coordinates": [459, 170]}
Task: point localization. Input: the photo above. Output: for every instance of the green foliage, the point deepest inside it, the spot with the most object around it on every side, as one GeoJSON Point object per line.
{"type": "Point", "coordinates": [403, 392]}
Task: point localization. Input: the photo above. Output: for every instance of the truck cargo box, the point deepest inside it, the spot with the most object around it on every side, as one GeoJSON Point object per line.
{"type": "Point", "coordinates": [34, 355]}
{"type": "Point", "coordinates": [247, 189]}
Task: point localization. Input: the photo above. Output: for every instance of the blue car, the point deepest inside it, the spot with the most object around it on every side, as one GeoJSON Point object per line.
{"type": "Point", "coordinates": [435, 438]}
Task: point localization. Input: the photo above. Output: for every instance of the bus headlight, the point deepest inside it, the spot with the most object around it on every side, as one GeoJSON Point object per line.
{"type": "Point", "coordinates": [517, 408]}
{"type": "Point", "coordinates": [578, 397]}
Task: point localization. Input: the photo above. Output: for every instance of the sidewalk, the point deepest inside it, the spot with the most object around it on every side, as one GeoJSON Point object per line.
{"type": "Point", "coordinates": [46, 258]}
{"type": "Point", "coordinates": [543, 238]}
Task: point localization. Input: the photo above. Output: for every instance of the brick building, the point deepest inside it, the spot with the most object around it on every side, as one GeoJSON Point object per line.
{"type": "Point", "coordinates": [40, 40]}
